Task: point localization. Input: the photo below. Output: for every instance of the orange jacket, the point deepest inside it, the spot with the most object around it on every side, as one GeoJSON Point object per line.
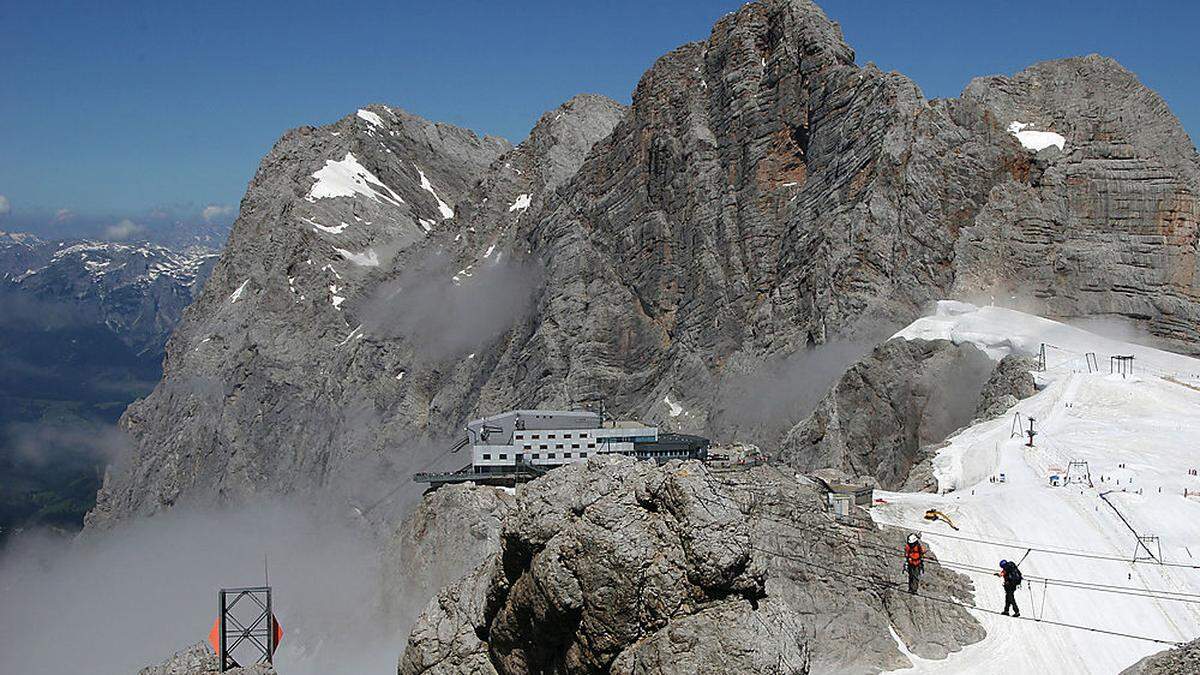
{"type": "Point", "coordinates": [914, 555]}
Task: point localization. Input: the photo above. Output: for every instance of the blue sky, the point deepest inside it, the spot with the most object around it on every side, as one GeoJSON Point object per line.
{"type": "Point", "coordinates": [144, 110]}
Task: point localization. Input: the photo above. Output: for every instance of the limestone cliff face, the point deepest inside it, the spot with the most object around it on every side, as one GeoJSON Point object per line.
{"type": "Point", "coordinates": [620, 566]}
{"type": "Point", "coordinates": [763, 194]}
{"type": "Point", "coordinates": [878, 418]}
{"type": "Point", "coordinates": [449, 533]}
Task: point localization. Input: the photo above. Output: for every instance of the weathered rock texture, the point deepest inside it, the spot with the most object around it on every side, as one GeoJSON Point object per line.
{"type": "Point", "coordinates": [1011, 381]}
{"type": "Point", "coordinates": [200, 660]}
{"type": "Point", "coordinates": [879, 416]}
{"type": "Point", "coordinates": [1182, 659]}
{"type": "Point", "coordinates": [620, 566]}
{"type": "Point", "coordinates": [762, 194]}
{"type": "Point", "coordinates": [450, 532]}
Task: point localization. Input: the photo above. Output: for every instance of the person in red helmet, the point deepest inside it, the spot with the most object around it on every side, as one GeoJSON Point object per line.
{"type": "Point", "coordinates": [914, 561]}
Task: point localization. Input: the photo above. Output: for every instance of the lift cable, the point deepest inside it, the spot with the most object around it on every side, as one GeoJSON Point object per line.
{"type": "Point", "coordinates": [894, 585]}
{"type": "Point", "coordinates": [1132, 591]}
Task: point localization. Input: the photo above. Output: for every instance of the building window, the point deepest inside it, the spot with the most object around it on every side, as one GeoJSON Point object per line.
{"type": "Point", "coordinates": [535, 437]}
{"type": "Point", "coordinates": [567, 436]}
{"type": "Point", "coordinates": [518, 437]}
{"type": "Point", "coordinates": [487, 455]}
{"type": "Point", "coordinates": [542, 447]}
{"type": "Point", "coordinates": [575, 446]}
{"type": "Point", "coordinates": [558, 446]}
{"type": "Point", "coordinates": [583, 434]}
{"type": "Point", "coordinates": [503, 456]}
{"type": "Point", "coordinates": [536, 456]}
{"type": "Point", "coordinates": [550, 456]}
{"type": "Point", "coordinates": [566, 455]}
{"type": "Point", "coordinates": [550, 436]}
{"type": "Point", "coordinates": [591, 445]}
{"type": "Point", "coordinates": [583, 454]}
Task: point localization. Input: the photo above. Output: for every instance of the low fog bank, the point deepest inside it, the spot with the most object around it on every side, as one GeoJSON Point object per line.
{"type": "Point", "coordinates": [761, 404]}
{"type": "Point", "coordinates": [445, 313]}
{"type": "Point", "coordinates": [116, 601]}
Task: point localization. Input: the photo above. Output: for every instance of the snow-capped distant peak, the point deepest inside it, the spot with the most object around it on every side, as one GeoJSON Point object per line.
{"type": "Point", "coordinates": [346, 178]}
{"type": "Point", "coordinates": [1036, 140]}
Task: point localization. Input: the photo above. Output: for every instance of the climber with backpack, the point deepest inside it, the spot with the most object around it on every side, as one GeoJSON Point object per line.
{"type": "Point", "coordinates": [1012, 578]}
{"type": "Point", "coordinates": [914, 561]}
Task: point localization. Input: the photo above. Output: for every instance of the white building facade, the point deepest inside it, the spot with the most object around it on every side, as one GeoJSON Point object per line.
{"type": "Point", "coordinates": [549, 438]}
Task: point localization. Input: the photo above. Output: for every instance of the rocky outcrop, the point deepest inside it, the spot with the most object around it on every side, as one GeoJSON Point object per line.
{"type": "Point", "coordinates": [878, 418]}
{"type": "Point", "coordinates": [451, 532]}
{"type": "Point", "coordinates": [1011, 381]}
{"type": "Point", "coordinates": [621, 566]}
{"type": "Point", "coordinates": [762, 196]}
{"type": "Point", "coordinates": [200, 660]}
{"type": "Point", "coordinates": [1108, 225]}
{"type": "Point", "coordinates": [1182, 659]}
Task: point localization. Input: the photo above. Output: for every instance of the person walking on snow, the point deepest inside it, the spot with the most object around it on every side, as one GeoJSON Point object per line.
{"type": "Point", "coordinates": [914, 561]}
{"type": "Point", "coordinates": [1012, 578]}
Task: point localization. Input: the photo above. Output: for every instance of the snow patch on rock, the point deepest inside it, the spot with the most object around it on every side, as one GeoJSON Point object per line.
{"type": "Point", "coordinates": [443, 207]}
{"type": "Point", "coordinates": [370, 117]}
{"type": "Point", "coordinates": [521, 204]}
{"type": "Point", "coordinates": [237, 294]}
{"type": "Point", "coordinates": [1036, 140]}
{"type": "Point", "coordinates": [346, 178]}
{"type": "Point", "coordinates": [367, 258]}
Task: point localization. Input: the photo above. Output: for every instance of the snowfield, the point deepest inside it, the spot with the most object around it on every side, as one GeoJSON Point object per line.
{"type": "Point", "coordinates": [1140, 436]}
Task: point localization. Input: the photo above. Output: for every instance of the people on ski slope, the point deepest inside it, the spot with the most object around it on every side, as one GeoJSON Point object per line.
{"type": "Point", "coordinates": [914, 561]}
{"type": "Point", "coordinates": [1011, 577]}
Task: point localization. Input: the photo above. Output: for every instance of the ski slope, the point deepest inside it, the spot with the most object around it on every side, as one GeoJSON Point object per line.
{"type": "Point", "coordinates": [1139, 435]}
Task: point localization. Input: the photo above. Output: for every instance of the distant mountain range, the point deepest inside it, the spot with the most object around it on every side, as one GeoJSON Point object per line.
{"type": "Point", "coordinates": [83, 329]}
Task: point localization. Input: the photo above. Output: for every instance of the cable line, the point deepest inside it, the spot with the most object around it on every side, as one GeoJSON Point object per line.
{"type": "Point", "coordinates": [1131, 591]}
{"type": "Point", "coordinates": [894, 585]}
{"type": "Point", "coordinates": [1051, 551]}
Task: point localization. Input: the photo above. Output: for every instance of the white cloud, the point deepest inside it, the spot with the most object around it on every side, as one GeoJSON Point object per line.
{"type": "Point", "coordinates": [214, 211]}
{"type": "Point", "coordinates": [123, 230]}
{"type": "Point", "coordinates": [5, 207]}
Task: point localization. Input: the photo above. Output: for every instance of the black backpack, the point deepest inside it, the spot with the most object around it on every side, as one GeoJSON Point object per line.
{"type": "Point", "coordinates": [1013, 574]}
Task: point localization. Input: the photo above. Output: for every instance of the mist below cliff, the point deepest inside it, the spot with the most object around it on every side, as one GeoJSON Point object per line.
{"type": "Point", "coordinates": [121, 600]}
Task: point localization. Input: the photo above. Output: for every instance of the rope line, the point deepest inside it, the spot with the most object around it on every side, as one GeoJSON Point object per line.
{"type": "Point", "coordinates": [1130, 591]}
{"type": "Point", "coordinates": [894, 585]}
{"type": "Point", "coordinates": [1050, 551]}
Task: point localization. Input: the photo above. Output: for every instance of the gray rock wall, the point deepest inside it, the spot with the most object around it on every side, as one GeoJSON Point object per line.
{"type": "Point", "coordinates": [879, 417]}
{"type": "Point", "coordinates": [615, 565]}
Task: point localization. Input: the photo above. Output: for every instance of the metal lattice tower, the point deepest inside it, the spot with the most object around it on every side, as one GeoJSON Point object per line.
{"type": "Point", "coordinates": [246, 627]}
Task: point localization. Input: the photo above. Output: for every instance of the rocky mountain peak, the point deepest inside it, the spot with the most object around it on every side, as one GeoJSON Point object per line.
{"type": "Point", "coordinates": [761, 197]}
